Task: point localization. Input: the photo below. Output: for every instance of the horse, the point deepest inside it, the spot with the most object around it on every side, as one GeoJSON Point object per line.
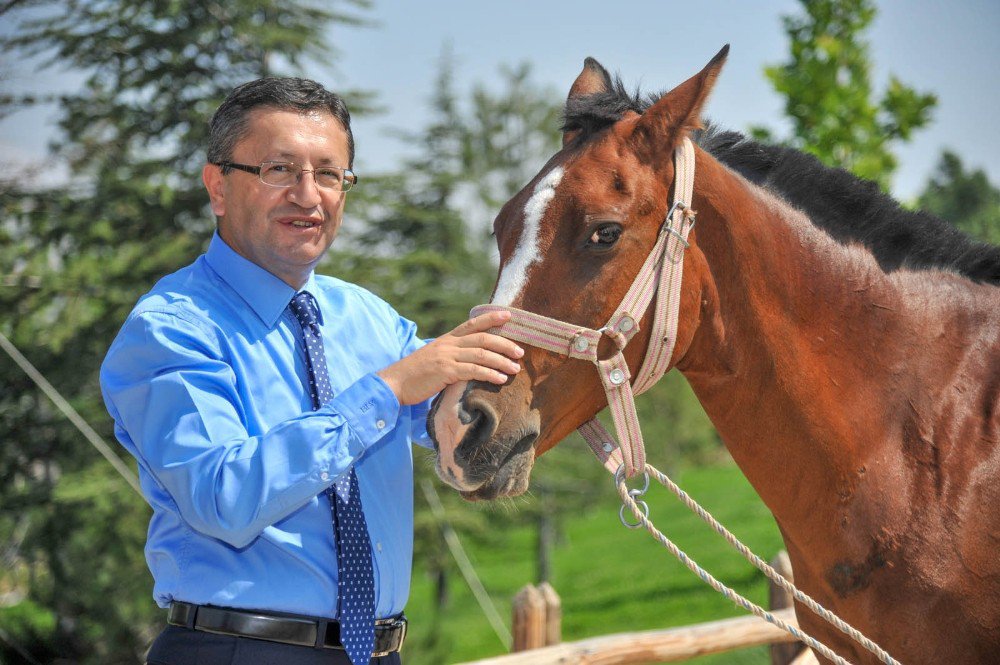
{"type": "Point", "coordinates": [846, 350]}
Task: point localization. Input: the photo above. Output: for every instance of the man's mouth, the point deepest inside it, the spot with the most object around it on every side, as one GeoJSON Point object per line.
{"type": "Point", "coordinates": [300, 222]}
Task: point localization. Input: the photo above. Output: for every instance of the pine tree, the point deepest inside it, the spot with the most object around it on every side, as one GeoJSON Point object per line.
{"type": "Point", "coordinates": [967, 199]}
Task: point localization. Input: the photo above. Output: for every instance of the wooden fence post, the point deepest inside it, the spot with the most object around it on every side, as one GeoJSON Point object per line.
{"type": "Point", "coordinates": [553, 614]}
{"type": "Point", "coordinates": [529, 619]}
{"type": "Point", "coordinates": [537, 617]}
{"type": "Point", "coordinates": [791, 652]}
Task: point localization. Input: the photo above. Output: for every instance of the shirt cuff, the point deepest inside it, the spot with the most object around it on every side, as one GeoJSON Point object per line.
{"type": "Point", "coordinates": [370, 408]}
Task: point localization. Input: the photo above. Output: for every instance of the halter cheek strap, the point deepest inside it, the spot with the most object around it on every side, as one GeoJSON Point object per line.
{"type": "Point", "coordinates": [659, 276]}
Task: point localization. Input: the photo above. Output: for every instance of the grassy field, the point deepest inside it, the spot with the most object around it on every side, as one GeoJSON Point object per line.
{"type": "Point", "coordinates": [611, 579]}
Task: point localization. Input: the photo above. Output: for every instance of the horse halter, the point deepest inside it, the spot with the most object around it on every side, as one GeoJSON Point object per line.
{"type": "Point", "coordinates": [659, 276]}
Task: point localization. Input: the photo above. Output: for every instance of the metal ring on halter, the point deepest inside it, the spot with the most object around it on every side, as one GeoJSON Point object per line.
{"type": "Point", "coordinates": [620, 478]}
{"type": "Point", "coordinates": [615, 336]}
{"type": "Point", "coordinates": [645, 513]}
{"type": "Point", "coordinates": [670, 229]}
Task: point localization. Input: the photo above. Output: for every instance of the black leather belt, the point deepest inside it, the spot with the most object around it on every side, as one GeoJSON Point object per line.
{"type": "Point", "coordinates": [301, 631]}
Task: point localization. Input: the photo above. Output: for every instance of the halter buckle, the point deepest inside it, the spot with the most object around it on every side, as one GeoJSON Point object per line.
{"type": "Point", "coordinates": [689, 215]}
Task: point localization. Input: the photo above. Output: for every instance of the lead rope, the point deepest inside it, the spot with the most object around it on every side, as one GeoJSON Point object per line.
{"type": "Point", "coordinates": [629, 500]}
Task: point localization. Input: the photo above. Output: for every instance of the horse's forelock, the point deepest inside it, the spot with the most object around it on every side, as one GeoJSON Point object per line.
{"type": "Point", "coordinates": [590, 114]}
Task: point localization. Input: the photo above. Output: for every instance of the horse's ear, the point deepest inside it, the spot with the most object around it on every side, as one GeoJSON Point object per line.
{"type": "Point", "coordinates": [592, 80]}
{"type": "Point", "coordinates": [676, 113]}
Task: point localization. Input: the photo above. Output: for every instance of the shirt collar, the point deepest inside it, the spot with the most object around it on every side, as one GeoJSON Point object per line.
{"type": "Point", "coordinates": [267, 295]}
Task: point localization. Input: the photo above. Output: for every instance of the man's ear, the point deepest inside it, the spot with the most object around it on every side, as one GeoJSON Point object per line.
{"type": "Point", "coordinates": [211, 175]}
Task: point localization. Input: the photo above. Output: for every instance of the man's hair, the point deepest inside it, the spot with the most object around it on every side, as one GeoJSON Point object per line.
{"type": "Point", "coordinates": [231, 121]}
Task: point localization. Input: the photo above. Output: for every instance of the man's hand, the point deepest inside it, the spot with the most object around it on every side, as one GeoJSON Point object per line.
{"type": "Point", "coordinates": [467, 353]}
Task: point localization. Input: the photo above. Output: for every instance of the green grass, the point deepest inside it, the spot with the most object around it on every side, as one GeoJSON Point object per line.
{"type": "Point", "coordinates": [612, 579]}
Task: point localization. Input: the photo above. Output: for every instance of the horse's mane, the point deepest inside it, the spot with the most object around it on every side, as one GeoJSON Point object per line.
{"type": "Point", "coordinates": [848, 208]}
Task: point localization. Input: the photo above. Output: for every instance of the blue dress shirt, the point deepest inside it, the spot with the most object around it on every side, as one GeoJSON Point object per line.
{"type": "Point", "coordinates": [206, 384]}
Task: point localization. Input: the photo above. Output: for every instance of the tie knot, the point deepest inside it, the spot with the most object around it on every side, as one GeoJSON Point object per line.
{"type": "Point", "coordinates": [303, 306]}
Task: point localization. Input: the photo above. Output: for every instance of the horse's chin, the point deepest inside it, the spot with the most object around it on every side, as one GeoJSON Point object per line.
{"type": "Point", "coordinates": [511, 479]}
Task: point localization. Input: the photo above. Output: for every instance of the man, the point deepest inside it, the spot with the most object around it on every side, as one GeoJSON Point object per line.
{"type": "Point", "coordinates": [271, 410]}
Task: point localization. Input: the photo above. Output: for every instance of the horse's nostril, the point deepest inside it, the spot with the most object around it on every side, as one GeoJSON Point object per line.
{"type": "Point", "coordinates": [482, 422]}
{"type": "Point", "coordinates": [466, 416]}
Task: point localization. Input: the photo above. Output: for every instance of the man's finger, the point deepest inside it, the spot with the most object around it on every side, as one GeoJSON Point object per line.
{"type": "Point", "coordinates": [491, 342]}
{"type": "Point", "coordinates": [486, 358]}
{"type": "Point", "coordinates": [481, 323]}
{"type": "Point", "coordinates": [470, 372]}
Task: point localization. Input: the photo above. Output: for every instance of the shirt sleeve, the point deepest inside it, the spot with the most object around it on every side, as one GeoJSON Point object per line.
{"type": "Point", "coordinates": [417, 412]}
{"type": "Point", "coordinates": [173, 397]}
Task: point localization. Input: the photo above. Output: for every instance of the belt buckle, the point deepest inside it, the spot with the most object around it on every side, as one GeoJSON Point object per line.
{"type": "Point", "coordinates": [392, 624]}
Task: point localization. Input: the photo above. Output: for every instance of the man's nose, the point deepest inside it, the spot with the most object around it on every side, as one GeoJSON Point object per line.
{"type": "Point", "coordinates": [305, 193]}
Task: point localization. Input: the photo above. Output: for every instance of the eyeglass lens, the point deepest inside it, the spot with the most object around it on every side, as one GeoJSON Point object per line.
{"type": "Point", "coordinates": [286, 174]}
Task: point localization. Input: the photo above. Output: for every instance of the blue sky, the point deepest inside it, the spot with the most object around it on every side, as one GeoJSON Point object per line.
{"type": "Point", "coordinates": [950, 49]}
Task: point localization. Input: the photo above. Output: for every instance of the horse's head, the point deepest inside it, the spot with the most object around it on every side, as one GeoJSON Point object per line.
{"type": "Point", "coordinates": [571, 244]}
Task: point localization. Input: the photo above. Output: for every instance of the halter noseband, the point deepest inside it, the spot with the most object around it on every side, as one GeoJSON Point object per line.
{"type": "Point", "coordinates": [659, 276]}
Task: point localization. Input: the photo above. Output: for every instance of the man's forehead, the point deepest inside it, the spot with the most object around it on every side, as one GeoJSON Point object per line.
{"type": "Point", "coordinates": [268, 122]}
{"type": "Point", "coordinates": [288, 132]}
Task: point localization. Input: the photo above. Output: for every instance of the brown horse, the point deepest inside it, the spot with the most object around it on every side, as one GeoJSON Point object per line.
{"type": "Point", "coordinates": [847, 351]}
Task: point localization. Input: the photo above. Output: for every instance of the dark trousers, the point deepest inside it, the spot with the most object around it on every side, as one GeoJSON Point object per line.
{"type": "Point", "coordinates": [177, 645]}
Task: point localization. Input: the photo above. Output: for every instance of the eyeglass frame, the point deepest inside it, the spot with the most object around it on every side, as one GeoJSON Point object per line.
{"type": "Point", "coordinates": [259, 170]}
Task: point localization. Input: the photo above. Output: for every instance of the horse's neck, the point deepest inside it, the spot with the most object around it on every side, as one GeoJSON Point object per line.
{"type": "Point", "coordinates": [797, 357]}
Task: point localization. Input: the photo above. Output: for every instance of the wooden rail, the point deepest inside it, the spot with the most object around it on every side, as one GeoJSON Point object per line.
{"type": "Point", "coordinates": [537, 625]}
{"type": "Point", "coordinates": [659, 646]}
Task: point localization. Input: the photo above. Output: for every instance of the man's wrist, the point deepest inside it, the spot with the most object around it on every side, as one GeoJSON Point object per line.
{"type": "Point", "coordinates": [389, 377]}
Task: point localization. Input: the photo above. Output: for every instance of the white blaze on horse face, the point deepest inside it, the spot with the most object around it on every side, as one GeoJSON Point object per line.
{"type": "Point", "coordinates": [449, 432]}
{"type": "Point", "coordinates": [515, 273]}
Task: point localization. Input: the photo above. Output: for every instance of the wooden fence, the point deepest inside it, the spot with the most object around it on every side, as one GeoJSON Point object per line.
{"type": "Point", "coordinates": [537, 616]}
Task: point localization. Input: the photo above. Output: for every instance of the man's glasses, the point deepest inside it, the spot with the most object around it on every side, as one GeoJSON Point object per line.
{"type": "Point", "coordinates": [287, 174]}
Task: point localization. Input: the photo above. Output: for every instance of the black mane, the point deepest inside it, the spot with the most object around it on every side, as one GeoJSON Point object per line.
{"type": "Point", "coordinates": [846, 207]}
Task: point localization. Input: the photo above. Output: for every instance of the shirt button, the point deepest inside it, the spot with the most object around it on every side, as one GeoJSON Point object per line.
{"type": "Point", "coordinates": [380, 424]}
{"type": "Point", "coordinates": [324, 476]}
{"type": "Point", "coordinates": [378, 546]}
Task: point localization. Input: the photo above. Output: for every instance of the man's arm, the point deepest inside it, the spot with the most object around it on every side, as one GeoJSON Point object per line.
{"type": "Point", "coordinates": [174, 398]}
{"type": "Point", "coordinates": [173, 395]}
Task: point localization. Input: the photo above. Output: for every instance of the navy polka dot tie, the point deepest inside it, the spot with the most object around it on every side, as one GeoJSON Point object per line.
{"type": "Point", "coordinates": [354, 558]}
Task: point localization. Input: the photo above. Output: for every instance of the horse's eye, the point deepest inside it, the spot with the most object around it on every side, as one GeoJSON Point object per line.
{"type": "Point", "coordinates": [606, 235]}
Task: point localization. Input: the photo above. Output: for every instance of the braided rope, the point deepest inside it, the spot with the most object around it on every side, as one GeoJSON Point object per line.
{"type": "Point", "coordinates": [760, 564]}
{"type": "Point", "coordinates": [706, 577]}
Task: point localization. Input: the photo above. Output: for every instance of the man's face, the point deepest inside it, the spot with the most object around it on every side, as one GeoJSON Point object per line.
{"type": "Point", "coordinates": [258, 220]}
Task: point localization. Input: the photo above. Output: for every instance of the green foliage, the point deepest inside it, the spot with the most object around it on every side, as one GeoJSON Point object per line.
{"type": "Point", "coordinates": [509, 135]}
{"type": "Point", "coordinates": [967, 199]}
{"type": "Point", "coordinates": [75, 257]}
{"type": "Point", "coordinates": [829, 97]}
{"type": "Point", "coordinates": [411, 244]}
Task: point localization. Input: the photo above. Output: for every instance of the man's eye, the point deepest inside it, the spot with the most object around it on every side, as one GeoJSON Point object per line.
{"type": "Point", "coordinates": [280, 168]}
{"type": "Point", "coordinates": [333, 174]}
{"type": "Point", "coordinates": [606, 235]}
